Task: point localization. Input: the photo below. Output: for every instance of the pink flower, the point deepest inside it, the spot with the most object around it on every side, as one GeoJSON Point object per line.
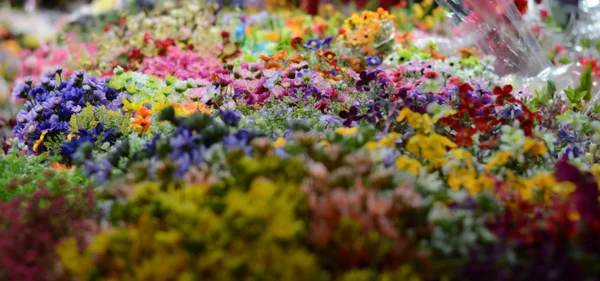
{"type": "Point", "coordinates": [432, 75]}
{"type": "Point", "coordinates": [453, 81]}
{"type": "Point", "coordinates": [543, 14]}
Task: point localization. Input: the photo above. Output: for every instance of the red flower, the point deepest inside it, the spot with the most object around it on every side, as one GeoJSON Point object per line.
{"type": "Point", "coordinates": [225, 34]}
{"type": "Point", "coordinates": [164, 44]}
{"type": "Point", "coordinates": [464, 137]}
{"type": "Point", "coordinates": [296, 41]}
{"type": "Point", "coordinates": [135, 53]}
{"type": "Point", "coordinates": [430, 74]}
{"type": "Point", "coordinates": [490, 144]}
{"type": "Point", "coordinates": [147, 37]}
{"type": "Point", "coordinates": [521, 6]}
{"type": "Point", "coordinates": [592, 62]}
{"type": "Point", "coordinates": [543, 14]}
{"type": "Point", "coordinates": [321, 105]}
{"type": "Point", "coordinates": [503, 95]}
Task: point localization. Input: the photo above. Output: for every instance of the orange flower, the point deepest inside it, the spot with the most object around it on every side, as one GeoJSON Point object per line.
{"type": "Point", "coordinates": [59, 167]}
{"type": "Point", "coordinates": [356, 64]}
{"type": "Point", "coordinates": [280, 55]}
{"type": "Point", "coordinates": [142, 120]}
{"type": "Point", "coordinates": [296, 41]}
{"type": "Point", "coordinates": [437, 56]}
{"type": "Point", "coordinates": [265, 58]}
{"type": "Point", "coordinates": [368, 50]}
{"type": "Point", "coordinates": [274, 65]}
{"type": "Point", "coordinates": [465, 52]}
{"type": "Point", "coordinates": [272, 36]}
{"type": "Point", "coordinates": [329, 56]}
{"type": "Point", "coordinates": [403, 37]}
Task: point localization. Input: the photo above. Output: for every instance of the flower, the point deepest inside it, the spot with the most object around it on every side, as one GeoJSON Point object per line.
{"type": "Point", "coordinates": [408, 164]}
{"type": "Point", "coordinates": [142, 122]}
{"type": "Point", "coordinates": [431, 147]}
{"type": "Point", "coordinates": [313, 44]}
{"type": "Point", "coordinates": [280, 142]}
{"type": "Point", "coordinates": [373, 61]}
{"type": "Point", "coordinates": [347, 131]}
{"type": "Point", "coordinates": [418, 121]}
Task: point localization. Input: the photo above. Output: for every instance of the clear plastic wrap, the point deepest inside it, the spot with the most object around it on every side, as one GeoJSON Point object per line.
{"type": "Point", "coordinates": [497, 28]}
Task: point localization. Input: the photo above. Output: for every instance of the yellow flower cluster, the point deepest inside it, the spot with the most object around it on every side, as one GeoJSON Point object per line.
{"type": "Point", "coordinates": [363, 28]}
{"type": "Point", "coordinates": [189, 233]}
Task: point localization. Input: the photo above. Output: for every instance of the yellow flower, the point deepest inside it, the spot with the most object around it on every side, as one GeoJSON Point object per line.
{"type": "Point", "coordinates": [545, 184]}
{"type": "Point", "coordinates": [460, 177]}
{"type": "Point", "coordinates": [132, 106]}
{"type": "Point", "coordinates": [280, 142]}
{"type": "Point", "coordinates": [537, 147]}
{"type": "Point", "coordinates": [498, 160]}
{"type": "Point", "coordinates": [462, 154]}
{"type": "Point", "coordinates": [476, 185]}
{"type": "Point", "coordinates": [429, 147]}
{"type": "Point", "coordinates": [159, 106]}
{"type": "Point", "coordinates": [408, 164]}
{"type": "Point", "coordinates": [70, 136]}
{"type": "Point", "coordinates": [382, 14]}
{"type": "Point", "coordinates": [389, 140]}
{"type": "Point", "coordinates": [418, 121]}
{"type": "Point", "coordinates": [347, 131]}
{"type": "Point", "coordinates": [429, 22]}
{"type": "Point", "coordinates": [371, 145]}
{"type": "Point", "coordinates": [39, 141]}
{"type": "Point", "coordinates": [418, 11]}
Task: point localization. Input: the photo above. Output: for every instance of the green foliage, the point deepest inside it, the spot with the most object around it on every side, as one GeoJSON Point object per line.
{"type": "Point", "coordinates": [21, 175]}
{"type": "Point", "coordinates": [585, 83]}
{"type": "Point", "coordinates": [583, 91]}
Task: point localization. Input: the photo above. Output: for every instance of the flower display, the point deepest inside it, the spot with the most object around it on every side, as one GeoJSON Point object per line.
{"type": "Point", "coordinates": [192, 140]}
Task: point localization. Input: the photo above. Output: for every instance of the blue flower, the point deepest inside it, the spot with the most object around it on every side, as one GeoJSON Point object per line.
{"type": "Point", "coordinates": [313, 44]}
{"type": "Point", "coordinates": [373, 61]}
{"type": "Point", "coordinates": [327, 42]}
{"type": "Point", "coordinates": [230, 118]}
{"type": "Point", "coordinates": [304, 75]}
{"type": "Point", "coordinates": [239, 33]}
{"type": "Point", "coordinates": [270, 83]}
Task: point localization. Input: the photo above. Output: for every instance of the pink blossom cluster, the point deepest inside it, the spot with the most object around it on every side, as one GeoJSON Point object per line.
{"type": "Point", "coordinates": [183, 64]}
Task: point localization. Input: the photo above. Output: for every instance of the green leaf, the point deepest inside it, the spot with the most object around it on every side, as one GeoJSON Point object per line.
{"type": "Point", "coordinates": [597, 45]}
{"type": "Point", "coordinates": [564, 60]}
{"type": "Point", "coordinates": [570, 93]}
{"type": "Point", "coordinates": [551, 89]}
{"type": "Point", "coordinates": [586, 43]}
{"type": "Point", "coordinates": [585, 83]}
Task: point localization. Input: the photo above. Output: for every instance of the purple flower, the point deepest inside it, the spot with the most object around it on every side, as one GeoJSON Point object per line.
{"type": "Point", "coordinates": [313, 44]}
{"type": "Point", "coordinates": [326, 43]}
{"type": "Point", "coordinates": [365, 79]}
{"type": "Point", "coordinates": [350, 116]}
{"type": "Point", "coordinates": [373, 61]}
{"type": "Point", "coordinates": [230, 118]}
